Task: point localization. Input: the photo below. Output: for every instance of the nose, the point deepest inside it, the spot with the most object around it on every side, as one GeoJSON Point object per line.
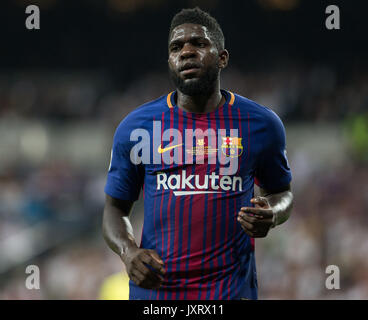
{"type": "Point", "coordinates": [188, 51]}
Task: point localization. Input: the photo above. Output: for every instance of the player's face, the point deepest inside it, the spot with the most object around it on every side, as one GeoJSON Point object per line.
{"type": "Point", "coordinates": [194, 60]}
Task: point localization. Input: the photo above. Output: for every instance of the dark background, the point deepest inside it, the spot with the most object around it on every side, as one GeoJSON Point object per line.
{"type": "Point", "coordinates": [131, 40]}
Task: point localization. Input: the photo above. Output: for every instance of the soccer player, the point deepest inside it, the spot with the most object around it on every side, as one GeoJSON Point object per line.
{"type": "Point", "coordinates": [196, 153]}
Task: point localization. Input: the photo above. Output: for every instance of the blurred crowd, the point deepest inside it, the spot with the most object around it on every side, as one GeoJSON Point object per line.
{"type": "Point", "coordinates": [329, 224]}
{"type": "Point", "coordinates": [296, 91]}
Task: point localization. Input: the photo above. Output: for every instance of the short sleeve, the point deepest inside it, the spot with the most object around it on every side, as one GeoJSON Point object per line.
{"type": "Point", "coordinates": [124, 178]}
{"type": "Point", "coordinates": [273, 171]}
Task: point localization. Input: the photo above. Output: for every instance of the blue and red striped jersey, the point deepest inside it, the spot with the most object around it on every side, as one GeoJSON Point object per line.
{"type": "Point", "coordinates": [196, 172]}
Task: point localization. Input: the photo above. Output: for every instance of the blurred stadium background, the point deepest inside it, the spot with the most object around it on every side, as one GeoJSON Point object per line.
{"type": "Point", "coordinates": [64, 89]}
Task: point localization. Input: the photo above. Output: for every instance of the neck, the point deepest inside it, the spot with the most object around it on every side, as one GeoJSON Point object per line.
{"type": "Point", "coordinates": [202, 103]}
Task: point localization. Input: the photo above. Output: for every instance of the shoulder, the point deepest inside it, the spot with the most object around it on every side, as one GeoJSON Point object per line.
{"type": "Point", "coordinates": [259, 113]}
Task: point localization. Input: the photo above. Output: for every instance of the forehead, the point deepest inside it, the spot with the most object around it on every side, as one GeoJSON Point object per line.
{"type": "Point", "coordinates": [186, 31]}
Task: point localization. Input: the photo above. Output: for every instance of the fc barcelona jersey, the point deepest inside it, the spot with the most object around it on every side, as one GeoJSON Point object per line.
{"type": "Point", "coordinates": [196, 171]}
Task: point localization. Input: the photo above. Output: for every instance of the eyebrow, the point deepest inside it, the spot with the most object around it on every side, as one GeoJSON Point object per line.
{"type": "Point", "coordinates": [195, 38]}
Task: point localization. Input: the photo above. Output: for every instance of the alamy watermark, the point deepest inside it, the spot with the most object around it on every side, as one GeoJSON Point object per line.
{"type": "Point", "coordinates": [33, 280]}
{"type": "Point", "coordinates": [333, 280]}
{"type": "Point", "coordinates": [222, 148]}
{"type": "Point", "coordinates": [169, 147]}
{"type": "Point", "coordinates": [333, 20]}
{"type": "Point", "coordinates": [33, 20]}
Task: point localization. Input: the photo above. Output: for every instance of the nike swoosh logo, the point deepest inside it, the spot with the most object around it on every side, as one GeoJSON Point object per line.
{"type": "Point", "coordinates": [160, 150]}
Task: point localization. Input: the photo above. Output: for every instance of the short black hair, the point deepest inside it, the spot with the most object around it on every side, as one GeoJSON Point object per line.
{"type": "Point", "coordinates": [198, 16]}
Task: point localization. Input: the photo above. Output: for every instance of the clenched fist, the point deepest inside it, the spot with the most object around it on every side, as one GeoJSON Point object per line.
{"type": "Point", "coordinates": [145, 268]}
{"type": "Point", "coordinates": [257, 221]}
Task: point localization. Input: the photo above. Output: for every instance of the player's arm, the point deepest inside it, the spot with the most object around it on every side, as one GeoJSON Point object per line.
{"type": "Point", "coordinates": [281, 203]}
{"type": "Point", "coordinates": [116, 227]}
{"type": "Point", "coordinates": [144, 266]}
{"type": "Point", "coordinates": [273, 176]}
{"type": "Point", "coordinates": [270, 209]}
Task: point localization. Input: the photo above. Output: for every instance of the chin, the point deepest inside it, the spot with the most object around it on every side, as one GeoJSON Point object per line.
{"type": "Point", "coordinates": [191, 80]}
{"type": "Point", "coordinates": [195, 84]}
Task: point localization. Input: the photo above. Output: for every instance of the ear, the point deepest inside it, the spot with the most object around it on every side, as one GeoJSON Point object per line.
{"type": "Point", "coordinates": [224, 59]}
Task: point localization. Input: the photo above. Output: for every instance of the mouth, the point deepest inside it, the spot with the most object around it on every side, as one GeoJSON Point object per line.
{"type": "Point", "coordinates": [189, 68]}
{"type": "Point", "coordinates": [189, 71]}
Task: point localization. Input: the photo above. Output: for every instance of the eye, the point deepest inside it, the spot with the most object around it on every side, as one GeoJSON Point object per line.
{"type": "Point", "coordinates": [174, 47]}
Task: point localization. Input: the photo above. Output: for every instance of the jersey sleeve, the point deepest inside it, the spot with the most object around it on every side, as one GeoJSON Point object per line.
{"type": "Point", "coordinates": [273, 171]}
{"type": "Point", "coordinates": [124, 177]}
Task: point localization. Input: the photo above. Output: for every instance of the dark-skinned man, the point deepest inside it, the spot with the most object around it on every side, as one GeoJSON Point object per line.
{"type": "Point", "coordinates": [196, 153]}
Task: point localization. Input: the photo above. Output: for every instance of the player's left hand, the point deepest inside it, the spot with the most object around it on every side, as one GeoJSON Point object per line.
{"type": "Point", "coordinates": [256, 221]}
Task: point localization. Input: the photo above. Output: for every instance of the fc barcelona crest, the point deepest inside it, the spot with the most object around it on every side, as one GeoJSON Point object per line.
{"type": "Point", "coordinates": [232, 146]}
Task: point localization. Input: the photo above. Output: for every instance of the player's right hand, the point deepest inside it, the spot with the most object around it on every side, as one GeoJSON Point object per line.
{"type": "Point", "coordinates": [145, 268]}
